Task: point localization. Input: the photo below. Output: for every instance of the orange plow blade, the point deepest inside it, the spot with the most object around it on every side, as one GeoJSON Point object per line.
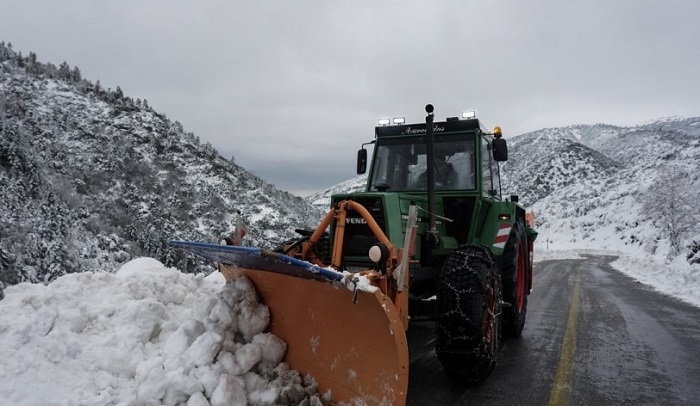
{"type": "Point", "coordinates": [358, 350]}
{"type": "Point", "coordinates": [351, 342]}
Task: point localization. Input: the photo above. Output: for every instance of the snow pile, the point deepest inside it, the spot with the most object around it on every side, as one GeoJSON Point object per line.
{"type": "Point", "coordinates": [143, 335]}
{"type": "Point", "coordinates": [676, 278]}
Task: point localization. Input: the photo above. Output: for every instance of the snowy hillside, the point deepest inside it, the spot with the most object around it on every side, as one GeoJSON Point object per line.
{"type": "Point", "coordinates": [322, 199]}
{"type": "Point", "coordinates": [143, 335]}
{"type": "Point", "coordinates": [92, 178]}
{"type": "Point", "coordinates": [539, 165]}
{"type": "Point", "coordinates": [594, 198]}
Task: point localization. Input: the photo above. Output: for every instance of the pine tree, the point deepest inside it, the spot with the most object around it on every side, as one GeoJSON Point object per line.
{"type": "Point", "coordinates": [64, 71]}
{"type": "Point", "coordinates": [56, 261]}
{"type": "Point", "coordinates": [75, 75]}
{"type": "Point", "coordinates": [33, 66]}
{"type": "Point", "coordinates": [8, 272]}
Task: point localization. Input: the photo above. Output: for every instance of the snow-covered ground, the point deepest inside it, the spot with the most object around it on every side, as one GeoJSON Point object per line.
{"type": "Point", "coordinates": [144, 335]}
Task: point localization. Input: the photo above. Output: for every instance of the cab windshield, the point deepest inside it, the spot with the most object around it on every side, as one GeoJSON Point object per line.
{"type": "Point", "coordinates": [400, 163]}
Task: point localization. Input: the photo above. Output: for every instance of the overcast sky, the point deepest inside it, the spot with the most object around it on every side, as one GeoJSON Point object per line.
{"type": "Point", "coordinates": [291, 89]}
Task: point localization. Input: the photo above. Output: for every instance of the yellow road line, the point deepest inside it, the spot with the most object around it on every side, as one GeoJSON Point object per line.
{"type": "Point", "coordinates": [561, 390]}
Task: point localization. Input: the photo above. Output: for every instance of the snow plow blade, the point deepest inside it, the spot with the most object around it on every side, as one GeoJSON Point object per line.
{"type": "Point", "coordinates": [351, 342]}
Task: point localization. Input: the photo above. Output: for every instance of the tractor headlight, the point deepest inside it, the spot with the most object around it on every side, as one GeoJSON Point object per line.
{"type": "Point", "coordinates": [378, 253]}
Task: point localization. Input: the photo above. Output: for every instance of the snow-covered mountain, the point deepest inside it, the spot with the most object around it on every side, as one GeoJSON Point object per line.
{"type": "Point", "coordinates": [322, 199]}
{"type": "Point", "coordinates": [588, 185]}
{"type": "Point", "coordinates": [92, 178]}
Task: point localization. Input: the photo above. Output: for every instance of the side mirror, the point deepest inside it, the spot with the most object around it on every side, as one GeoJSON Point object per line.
{"type": "Point", "coordinates": [500, 150]}
{"type": "Point", "coordinates": [361, 161]}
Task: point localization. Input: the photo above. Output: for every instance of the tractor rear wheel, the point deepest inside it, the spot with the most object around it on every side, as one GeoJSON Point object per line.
{"type": "Point", "coordinates": [515, 290]}
{"type": "Point", "coordinates": [468, 314]}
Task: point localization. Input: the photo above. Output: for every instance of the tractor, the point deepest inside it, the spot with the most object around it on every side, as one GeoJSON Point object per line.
{"type": "Point", "coordinates": [472, 266]}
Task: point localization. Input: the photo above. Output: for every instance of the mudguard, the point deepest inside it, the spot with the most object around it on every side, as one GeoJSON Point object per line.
{"type": "Point", "coordinates": [352, 342]}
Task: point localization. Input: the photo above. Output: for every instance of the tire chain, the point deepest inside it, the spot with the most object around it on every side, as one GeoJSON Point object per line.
{"type": "Point", "coordinates": [473, 255]}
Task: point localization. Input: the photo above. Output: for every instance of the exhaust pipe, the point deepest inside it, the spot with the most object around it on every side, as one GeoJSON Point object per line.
{"type": "Point", "coordinates": [434, 239]}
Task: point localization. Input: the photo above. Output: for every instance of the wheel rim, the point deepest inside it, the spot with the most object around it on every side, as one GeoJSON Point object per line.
{"type": "Point", "coordinates": [520, 284]}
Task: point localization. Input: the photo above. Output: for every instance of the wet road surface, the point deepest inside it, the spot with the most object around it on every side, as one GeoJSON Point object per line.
{"type": "Point", "coordinates": [617, 343]}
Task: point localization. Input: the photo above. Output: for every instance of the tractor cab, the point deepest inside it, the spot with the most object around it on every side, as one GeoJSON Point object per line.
{"type": "Point", "coordinates": [400, 160]}
{"type": "Point", "coordinates": [453, 200]}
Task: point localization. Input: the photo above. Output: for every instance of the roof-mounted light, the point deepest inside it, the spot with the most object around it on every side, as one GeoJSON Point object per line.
{"type": "Point", "coordinates": [399, 120]}
{"type": "Point", "coordinates": [384, 121]}
{"type": "Point", "coordinates": [469, 114]}
{"type": "Point", "coordinates": [497, 132]}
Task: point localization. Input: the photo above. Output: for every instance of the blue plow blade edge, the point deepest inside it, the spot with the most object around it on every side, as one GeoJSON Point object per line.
{"type": "Point", "coordinates": [258, 259]}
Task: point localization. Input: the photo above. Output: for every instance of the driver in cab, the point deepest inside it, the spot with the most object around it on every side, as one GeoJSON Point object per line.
{"type": "Point", "coordinates": [444, 175]}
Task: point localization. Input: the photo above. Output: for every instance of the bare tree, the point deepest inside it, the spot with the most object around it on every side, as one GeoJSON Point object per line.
{"type": "Point", "coordinates": [671, 203]}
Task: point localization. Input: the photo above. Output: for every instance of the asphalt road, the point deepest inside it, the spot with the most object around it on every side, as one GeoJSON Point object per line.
{"type": "Point", "coordinates": [593, 336]}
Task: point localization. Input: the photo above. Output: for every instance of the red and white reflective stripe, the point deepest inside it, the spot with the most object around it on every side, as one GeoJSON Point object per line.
{"type": "Point", "coordinates": [502, 236]}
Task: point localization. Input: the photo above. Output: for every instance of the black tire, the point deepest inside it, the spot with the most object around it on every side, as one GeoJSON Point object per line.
{"type": "Point", "coordinates": [514, 271]}
{"type": "Point", "coordinates": [468, 314]}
